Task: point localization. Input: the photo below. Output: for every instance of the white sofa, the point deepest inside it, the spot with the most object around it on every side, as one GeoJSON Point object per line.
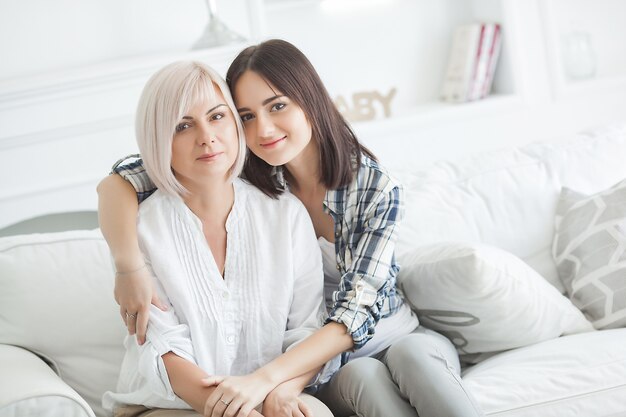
{"type": "Point", "coordinates": [60, 331]}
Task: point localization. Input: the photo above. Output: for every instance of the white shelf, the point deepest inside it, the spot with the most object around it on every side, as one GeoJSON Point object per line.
{"type": "Point", "coordinates": [579, 89]}
{"type": "Point", "coordinates": [440, 113]}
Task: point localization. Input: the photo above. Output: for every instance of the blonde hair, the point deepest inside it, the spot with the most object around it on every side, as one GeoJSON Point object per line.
{"type": "Point", "coordinates": [165, 99]}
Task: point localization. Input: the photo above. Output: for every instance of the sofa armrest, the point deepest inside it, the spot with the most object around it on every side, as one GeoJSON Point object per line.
{"type": "Point", "coordinates": [27, 382]}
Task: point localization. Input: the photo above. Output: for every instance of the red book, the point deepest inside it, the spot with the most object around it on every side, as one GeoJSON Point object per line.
{"type": "Point", "coordinates": [494, 54]}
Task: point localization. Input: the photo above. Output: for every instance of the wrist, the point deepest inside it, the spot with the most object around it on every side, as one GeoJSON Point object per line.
{"type": "Point", "coordinates": [267, 374]}
{"type": "Point", "coordinates": [287, 389]}
{"type": "Point", "coordinates": [126, 263]}
{"type": "Point", "coordinates": [129, 271]}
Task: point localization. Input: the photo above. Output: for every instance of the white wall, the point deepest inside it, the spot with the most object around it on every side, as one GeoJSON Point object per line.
{"type": "Point", "coordinates": [72, 71]}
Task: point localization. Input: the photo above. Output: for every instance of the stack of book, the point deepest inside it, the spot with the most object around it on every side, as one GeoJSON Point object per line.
{"type": "Point", "coordinates": [472, 62]}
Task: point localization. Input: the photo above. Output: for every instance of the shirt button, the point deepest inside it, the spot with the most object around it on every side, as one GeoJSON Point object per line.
{"type": "Point", "coordinates": [338, 268]}
{"type": "Point", "coordinates": [225, 295]}
{"type": "Point", "coordinates": [230, 339]}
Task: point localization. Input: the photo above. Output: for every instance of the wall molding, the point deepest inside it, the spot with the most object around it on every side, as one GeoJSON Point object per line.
{"type": "Point", "coordinates": [47, 188]}
{"type": "Point", "coordinates": [43, 88]}
{"type": "Point", "coordinates": [23, 97]}
{"type": "Point", "coordinates": [58, 197]}
{"type": "Point", "coordinates": [66, 132]}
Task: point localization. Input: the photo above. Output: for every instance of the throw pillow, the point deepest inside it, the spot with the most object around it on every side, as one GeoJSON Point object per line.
{"type": "Point", "coordinates": [484, 299]}
{"type": "Point", "coordinates": [590, 252]}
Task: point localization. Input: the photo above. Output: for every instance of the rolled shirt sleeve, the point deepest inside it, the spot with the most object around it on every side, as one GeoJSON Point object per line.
{"type": "Point", "coordinates": [144, 379]}
{"type": "Point", "coordinates": [132, 170]}
{"type": "Point", "coordinates": [370, 268]}
{"type": "Point", "coordinates": [164, 335]}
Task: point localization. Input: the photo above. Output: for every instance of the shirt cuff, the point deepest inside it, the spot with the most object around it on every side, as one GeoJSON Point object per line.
{"type": "Point", "coordinates": [359, 311]}
{"type": "Point", "coordinates": [152, 367]}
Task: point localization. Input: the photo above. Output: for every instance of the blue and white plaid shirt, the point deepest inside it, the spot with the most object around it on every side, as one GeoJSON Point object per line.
{"type": "Point", "coordinates": [366, 213]}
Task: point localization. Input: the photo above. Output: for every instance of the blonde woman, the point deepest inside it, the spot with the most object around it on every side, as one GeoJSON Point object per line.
{"type": "Point", "coordinates": [239, 272]}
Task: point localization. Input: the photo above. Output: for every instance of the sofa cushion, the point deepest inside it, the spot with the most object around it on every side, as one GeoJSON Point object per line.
{"type": "Point", "coordinates": [577, 375]}
{"type": "Point", "coordinates": [485, 299]}
{"type": "Point", "coordinates": [56, 299]}
{"type": "Point", "coordinates": [508, 198]}
{"type": "Point", "coordinates": [590, 252]}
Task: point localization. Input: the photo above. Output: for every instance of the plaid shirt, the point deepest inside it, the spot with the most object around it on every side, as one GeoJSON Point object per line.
{"type": "Point", "coordinates": [366, 213]}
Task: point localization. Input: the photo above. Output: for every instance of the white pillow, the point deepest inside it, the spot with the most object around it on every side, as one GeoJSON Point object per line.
{"type": "Point", "coordinates": [484, 299]}
{"type": "Point", "coordinates": [56, 299]}
{"type": "Point", "coordinates": [590, 252]}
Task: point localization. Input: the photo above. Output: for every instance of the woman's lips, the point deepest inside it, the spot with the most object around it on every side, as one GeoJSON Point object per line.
{"type": "Point", "coordinates": [210, 156]}
{"type": "Point", "coordinates": [269, 145]}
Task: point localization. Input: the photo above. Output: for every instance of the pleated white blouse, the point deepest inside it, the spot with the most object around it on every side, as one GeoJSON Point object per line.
{"type": "Point", "coordinates": [271, 296]}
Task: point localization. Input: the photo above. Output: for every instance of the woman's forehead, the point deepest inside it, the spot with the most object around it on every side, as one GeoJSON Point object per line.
{"type": "Point", "coordinates": [206, 96]}
{"type": "Point", "coordinates": [252, 86]}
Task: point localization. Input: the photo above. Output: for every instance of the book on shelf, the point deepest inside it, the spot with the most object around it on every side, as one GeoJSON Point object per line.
{"type": "Point", "coordinates": [472, 62]}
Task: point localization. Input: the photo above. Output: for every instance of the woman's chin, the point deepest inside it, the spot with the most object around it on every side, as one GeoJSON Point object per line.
{"type": "Point", "coordinates": [273, 160]}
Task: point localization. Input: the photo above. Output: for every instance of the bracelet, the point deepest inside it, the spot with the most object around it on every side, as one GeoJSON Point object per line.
{"type": "Point", "coordinates": [131, 271]}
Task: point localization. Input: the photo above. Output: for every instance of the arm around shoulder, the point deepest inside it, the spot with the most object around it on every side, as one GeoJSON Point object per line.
{"type": "Point", "coordinates": [117, 213]}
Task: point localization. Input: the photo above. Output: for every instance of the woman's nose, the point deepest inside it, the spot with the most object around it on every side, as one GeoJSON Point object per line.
{"type": "Point", "coordinates": [265, 126]}
{"type": "Point", "coordinates": [206, 135]}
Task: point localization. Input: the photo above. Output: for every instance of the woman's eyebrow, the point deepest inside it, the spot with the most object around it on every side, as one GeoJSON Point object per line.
{"type": "Point", "coordinates": [267, 100]}
{"type": "Point", "coordinates": [209, 111]}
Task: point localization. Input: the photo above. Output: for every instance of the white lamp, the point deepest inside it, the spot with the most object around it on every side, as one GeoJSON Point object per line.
{"type": "Point", "coordinates": [216, 32]}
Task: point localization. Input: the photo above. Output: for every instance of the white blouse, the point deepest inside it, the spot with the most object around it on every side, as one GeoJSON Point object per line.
{"type": "Point", "coordinates": [269, 299]}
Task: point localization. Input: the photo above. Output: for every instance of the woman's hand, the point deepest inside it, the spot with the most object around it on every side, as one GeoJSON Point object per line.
{"type": "Point", "coordinates": [236, 395]}
{"type": "Point", "coordinates": [134, 293]}
{"type": "Point", "coordinates": [283, 401]}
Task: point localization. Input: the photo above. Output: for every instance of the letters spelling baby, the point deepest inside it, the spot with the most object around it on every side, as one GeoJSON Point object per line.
{"type": "Point", "coordinates": [364, 105]}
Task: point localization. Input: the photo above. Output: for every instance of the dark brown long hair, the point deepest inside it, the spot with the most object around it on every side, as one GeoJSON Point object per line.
{"type": "Point", "coordinates": [287, 69]}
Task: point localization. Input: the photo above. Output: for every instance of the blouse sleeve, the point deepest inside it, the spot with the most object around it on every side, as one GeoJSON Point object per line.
{"type": "Point", "coordinates": [165, 334]}
{"type": "Point", "coordinates": [308, 311]}
{"type": "Point", "coordinates": [132, 170]}
{"type": "Point", "coordinates": [370, 276]}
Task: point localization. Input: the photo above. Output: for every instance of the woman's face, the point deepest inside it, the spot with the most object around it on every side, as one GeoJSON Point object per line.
{"type": "Point", "coordinates": [205, 144]}
{"type": "Point", "coordinates": [277, 129]}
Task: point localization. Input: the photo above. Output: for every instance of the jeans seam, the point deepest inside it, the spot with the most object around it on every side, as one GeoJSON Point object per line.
{"type": "Point", "coordinates": [459, 381]}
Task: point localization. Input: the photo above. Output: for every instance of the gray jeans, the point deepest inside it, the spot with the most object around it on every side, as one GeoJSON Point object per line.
{"type": "Point", "coordinates": [417, 375]}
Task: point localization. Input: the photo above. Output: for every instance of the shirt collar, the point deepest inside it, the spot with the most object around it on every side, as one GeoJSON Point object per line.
{"type": "Point", "coordinates": [335, 200]}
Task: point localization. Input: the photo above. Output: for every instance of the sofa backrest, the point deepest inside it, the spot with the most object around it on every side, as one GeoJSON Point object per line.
{"type": "Point", "coordinates": [508, 198]}
{"type": "Point", "coordinates": [56, 300]}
